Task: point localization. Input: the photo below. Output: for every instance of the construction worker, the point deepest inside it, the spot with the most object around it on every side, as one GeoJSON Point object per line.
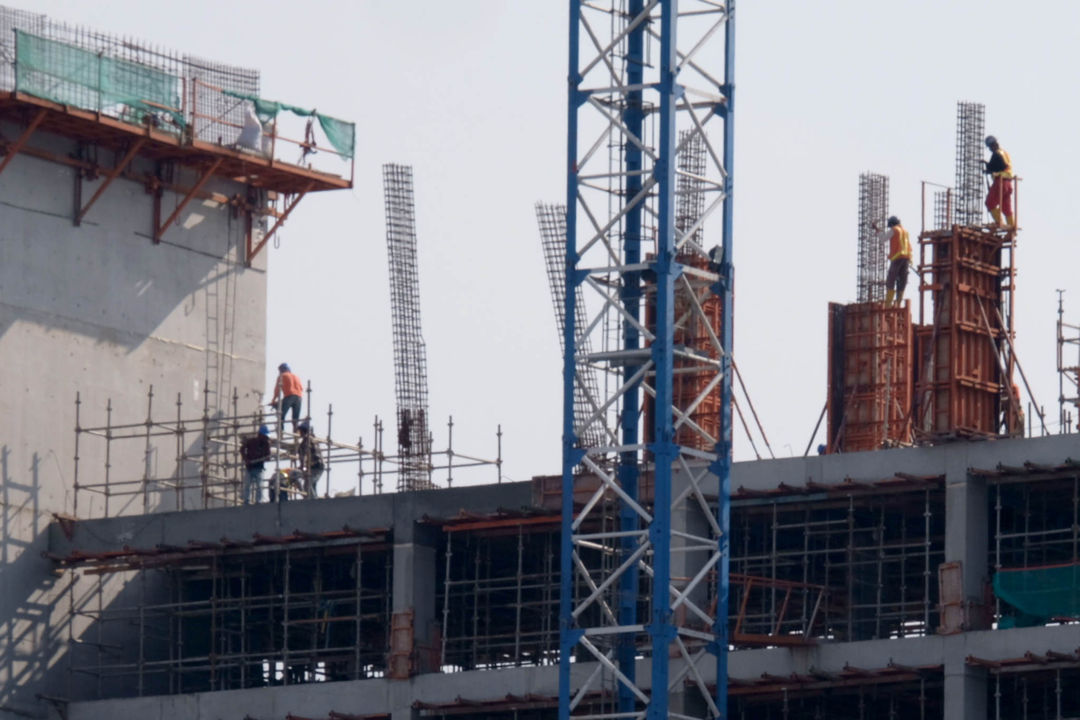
{"type": "Point", "coordinates": [254, 451]}
{"type": "Point", "coordinates": [899, 261]}
{"type": "Point", "coordinates": [289, 390]}
{"type": "Point", "coordinates": [311, 462]}
{"type": "Point", "coordinates": [999, 197]}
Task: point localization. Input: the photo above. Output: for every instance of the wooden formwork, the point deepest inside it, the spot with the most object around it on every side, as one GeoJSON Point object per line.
{"type": "Point", "coordinates": [870, 376]}
{"type": "Point", "coordinates": [964, 365]}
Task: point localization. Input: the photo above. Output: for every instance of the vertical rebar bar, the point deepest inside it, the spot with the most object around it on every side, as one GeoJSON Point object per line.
{"type": "Point", "coordinates": [410, 355]}
{"type": "Point", "coordinates": [873, 255]}
{"type": "Point", "coordinates": [970, 131]}
{"type": "Point", "coordinates": [551, 220]}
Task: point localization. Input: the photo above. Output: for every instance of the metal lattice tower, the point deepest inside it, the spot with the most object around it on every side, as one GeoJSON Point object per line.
{"type": "Point", "coordinates": [410, 356]}
{"type": "Point", "coordinates": [969, 192]}
{"type": "Point", "coordinates": [551, 220]}
{"type": "Point", "coordinates": [632, 590]}
{"type": "Point", "coordinates": [873, 245]}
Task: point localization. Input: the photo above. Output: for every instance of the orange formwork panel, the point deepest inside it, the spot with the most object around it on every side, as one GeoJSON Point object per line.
{"type": "Point", "coordinates": [692, 365]}
{"type": "Point", "coordinates": [870, 376]}
{"type": "Point", "coordinates": [964, 365]}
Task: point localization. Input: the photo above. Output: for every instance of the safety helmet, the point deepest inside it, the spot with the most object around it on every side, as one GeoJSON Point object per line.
{"type": "Point", "coordinates": [991, 141]}
{"type": "Point", "coordinates": [304, 426]}
{"type": "Point", "coordinates": [893, 220]}
{"type": "Point", "coordinates": [263, 430]}
{"type": "Point", "coordinates": [283, 367]}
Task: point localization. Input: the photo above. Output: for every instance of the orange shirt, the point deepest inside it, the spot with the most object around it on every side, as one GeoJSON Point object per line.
{"type": "Point", "coordinates": [287, 384]}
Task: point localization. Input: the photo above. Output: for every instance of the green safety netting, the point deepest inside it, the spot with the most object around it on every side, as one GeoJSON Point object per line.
{"type": "Point", "coordinates": [72, 76]}
{"type": "Point", "coordinates": [1039, 594]}
{"type": "Point", "coordinates": [341, 134]}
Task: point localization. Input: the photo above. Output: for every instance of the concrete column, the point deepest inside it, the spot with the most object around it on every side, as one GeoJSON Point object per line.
{"type": "Point", "coordinates": [688, 518]}
{"type": "Point", "coordinates": [965, 685]}
{"type": "Point", "coordinates": [967, 518]}
{"type": "Point", "coordinates": [413, 592]}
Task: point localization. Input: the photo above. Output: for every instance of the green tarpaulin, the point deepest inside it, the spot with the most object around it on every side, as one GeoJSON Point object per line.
{"type": "Point", "coordinates": [341, 134]}
{"type": "Point", "coordinates": [72, 76]}
{"type": "Point", "coordinates": [1039, 594]}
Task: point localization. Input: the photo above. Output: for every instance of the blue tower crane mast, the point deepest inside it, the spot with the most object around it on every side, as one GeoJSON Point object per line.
{"type": "Point", "coordinates": [641, 586]}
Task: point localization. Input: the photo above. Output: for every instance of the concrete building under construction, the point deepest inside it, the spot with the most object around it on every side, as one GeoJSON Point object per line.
{"type": "Point", "coordinates": [927, 565]}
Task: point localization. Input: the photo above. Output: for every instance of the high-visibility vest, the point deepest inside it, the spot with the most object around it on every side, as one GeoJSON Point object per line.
{"type": "Point", "coordinates": [899, 244]}
{"type": "Point", "coordinates": [1007, 172]}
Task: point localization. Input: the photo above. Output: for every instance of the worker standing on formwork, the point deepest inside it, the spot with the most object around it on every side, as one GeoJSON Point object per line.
{"type": "Point", "coordinates": [999, 197]}
{"type": "Point", "coordinates": [899, 261]}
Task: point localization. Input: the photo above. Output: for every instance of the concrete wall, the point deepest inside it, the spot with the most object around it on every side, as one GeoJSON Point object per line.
{"type": "Point", "coordinates": [101, 310]}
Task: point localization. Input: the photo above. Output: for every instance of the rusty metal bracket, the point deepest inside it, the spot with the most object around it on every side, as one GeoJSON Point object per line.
{"type": "Point", "coordinates": [113, 174]}
{"type": "Point", "coordinates": [252, 252]}
{"type": "Point", "coordinates": [16, 146]}
{"type": "Point", "coordinates": [158, 232]}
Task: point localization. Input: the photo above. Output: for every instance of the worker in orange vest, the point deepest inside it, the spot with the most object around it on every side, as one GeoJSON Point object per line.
{"type": "Point", "coordinates": [899, 262]}
{"type": "Point", "coordinates": [289, 390]}
{"type": "Point", "coordinates": [999, 197]}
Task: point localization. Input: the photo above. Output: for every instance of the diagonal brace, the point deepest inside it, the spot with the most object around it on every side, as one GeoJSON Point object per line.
{"type": "Point", "coordinates": [113, 174]}
{"type": "Point", "coordinates": [16, 146]}
{"type": "Point", "coordinates": [252, 252]}
{"type": "Point", "coordinates": [187, 198]}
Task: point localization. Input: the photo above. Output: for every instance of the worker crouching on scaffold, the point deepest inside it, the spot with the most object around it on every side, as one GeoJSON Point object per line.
{"type": "Point", "coordinates": [999, 197]}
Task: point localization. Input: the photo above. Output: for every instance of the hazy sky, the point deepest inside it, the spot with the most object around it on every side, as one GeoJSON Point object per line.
{"type": "Point", "coordinates": [473, 96]}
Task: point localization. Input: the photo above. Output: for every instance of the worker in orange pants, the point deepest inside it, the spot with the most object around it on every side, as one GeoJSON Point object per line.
{"type": "Point", "coordinates": [999, 197]}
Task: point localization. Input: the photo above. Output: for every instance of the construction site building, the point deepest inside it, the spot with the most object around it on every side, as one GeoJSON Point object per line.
{"type": "Point", "coordinates": [862, 583]}
{"type": "Point", "coordinates": [913, 582]}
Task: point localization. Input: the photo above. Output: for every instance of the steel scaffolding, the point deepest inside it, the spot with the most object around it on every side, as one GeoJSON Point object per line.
{"type": "Point", "coordinates": [894, 692]}
{"type": "Point", "coordinates": [1068, 370]}
{"type": "Point", "coordinates": [640, 73]}
{"type": "Point", "coordinates": [969, 189]}
{"type": "Point", "coordinates": [873, 243]}
{"type": "Point", "coordinates": [1034, 687]}
{"type": "Point", "coordinates": [499, 593]}
{"type": "Point", "coordinates": [873, 547]}
{"type": "Point", "coordinates": [176, 461]}
{"type": "Point", "coordinates": [551, 220]}
{"type": "Point", "coordinates": [410, 354]}
{"type": "Point", "coordinates": [236, 614]}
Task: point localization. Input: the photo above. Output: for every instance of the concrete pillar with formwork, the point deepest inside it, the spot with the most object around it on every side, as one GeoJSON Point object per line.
{"type": "Point", "coordinates": [870, 376]}
{"type": "Point", "coordinates": [413, 625]}
{"type": "Point", "coordinates": [964, 341]}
